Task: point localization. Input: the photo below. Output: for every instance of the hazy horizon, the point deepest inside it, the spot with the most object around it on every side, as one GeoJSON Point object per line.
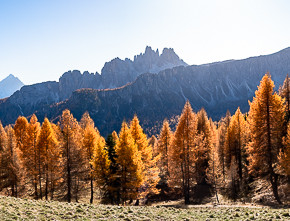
{"type": "Point", "coordinates": [42, 40]}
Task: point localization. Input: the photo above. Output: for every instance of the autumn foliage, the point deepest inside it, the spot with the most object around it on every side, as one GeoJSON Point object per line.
{"type": "Point", "coordinates": [70, 159]}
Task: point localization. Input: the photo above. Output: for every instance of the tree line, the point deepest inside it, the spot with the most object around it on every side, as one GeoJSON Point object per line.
{"type": "Point", "coordinates": [64, 160]}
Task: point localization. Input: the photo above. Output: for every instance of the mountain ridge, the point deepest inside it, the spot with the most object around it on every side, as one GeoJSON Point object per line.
{"type": "Point", "coordinates": [216, 87]}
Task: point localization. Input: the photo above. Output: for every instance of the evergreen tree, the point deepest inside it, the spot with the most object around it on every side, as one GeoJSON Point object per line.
{"type": "Point", "coordinates": [266, 118]}
{"type": "Point", "coordinates": [114, 182]}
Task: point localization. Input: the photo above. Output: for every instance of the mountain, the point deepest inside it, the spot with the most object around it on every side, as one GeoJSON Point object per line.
{"type": "Point", "coordinates": [9, 85]}
{"type": "Point", "coordinates": [115, 73]}
{"type": "Point", "coordinates": [217, 87]}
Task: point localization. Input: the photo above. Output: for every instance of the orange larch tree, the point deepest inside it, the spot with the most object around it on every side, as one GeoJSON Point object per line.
{"type": "Point", "coordinates": [32, 156]}
{"type": "Point", "coordinates": [11, 164]}
{"type": "Point", "coordinates": [91, 138]}
{"type": "Point", "coordinates": [223, 126]}
{"type": "Point", "coordinates": [130, 169]}
{"type": "Point", "coordinates": [50, 151]}
{"type": "Point", "coordinates": [284, 156]}
{"type": "Point", "coordinates": [235, 151]}
{"type": "Point", "coordinates": [266, 117]}
{"type": "Point", "coordinates": [101, 164]}
{"type": "Point", "coordinates": [150, 169]}
{"type": "Point", "coordinates": [73, 158]}
{"type": "Point", "coordinates": [182, 158]}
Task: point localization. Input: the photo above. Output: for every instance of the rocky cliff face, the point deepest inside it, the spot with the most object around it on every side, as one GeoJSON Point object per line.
{"type": "Point", "coordinates": [9, 85]}
{"type": "Point", "coordinates": [115, 73]}
{"type": "Point", "coordinates": [216, 87]}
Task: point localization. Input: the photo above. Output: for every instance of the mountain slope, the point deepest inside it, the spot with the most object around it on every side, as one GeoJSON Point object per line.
{"type": "Point", "coordinates": [115, 73]}
{"type": "Point", "coordinates": [216, 87]}
{"type": "Point", "coordinates": [9, 85]}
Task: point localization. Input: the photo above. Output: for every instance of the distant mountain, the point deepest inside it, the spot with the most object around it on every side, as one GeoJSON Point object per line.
{"type": "Point", "coordinates": [115, 73]}
{"type": "Point", "coordinates": [9, 85]}
{"type": "Point", "coordinates": [216, 87]}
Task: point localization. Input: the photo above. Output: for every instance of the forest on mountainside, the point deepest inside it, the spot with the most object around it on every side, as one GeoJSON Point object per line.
{"type": "Point", "coordinates": [200, 159]}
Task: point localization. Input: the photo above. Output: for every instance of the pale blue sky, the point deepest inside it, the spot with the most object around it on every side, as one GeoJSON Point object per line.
{"type": "Point", "coordinates": [40, 40]}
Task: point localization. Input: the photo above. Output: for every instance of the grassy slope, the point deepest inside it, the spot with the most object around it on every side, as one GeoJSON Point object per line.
{"type": "Point", "coordinates": [12, 209]}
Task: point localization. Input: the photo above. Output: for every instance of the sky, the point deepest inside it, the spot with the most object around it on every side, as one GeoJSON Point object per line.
{"type": "Point", "coordinates": [40, 40]}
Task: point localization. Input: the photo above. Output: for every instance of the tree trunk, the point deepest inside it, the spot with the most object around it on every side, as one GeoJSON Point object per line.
{"type": "Point", "coordinates": [92, 191]}
{"type": "Point", "coordinates": [68, 172]}
{"type": "Point", "coordinates": [274, 183]}
{"type": "Point", "coordinates": [35, 189]}
{"type": "Point", "coordinates": [68, 184]}
{"type": "Point", "coordinates": [46, 187]}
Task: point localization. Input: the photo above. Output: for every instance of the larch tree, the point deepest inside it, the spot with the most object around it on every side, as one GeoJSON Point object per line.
{"type": "Point", "coordinates": [101, 164]}
{"type": "Point", "coordinates": [73, 158]}
{"type": "Point", "coordinates": [183, 147]}
{"type": "Point", "coordinates": [3, 158]}
{"type": "Point", "coordinates": [223, 126]}
{"type": "Point", "coordinates": [11, 168]}
{"type": "Point", "coordinates": [20, 132]}
{"type": "Point", "coordinates": [130, 169]}
{"type": "Point", "coordinates": [152, 141]}
{"type": "Point", "coordinates": [284, 92]}
{"type": "Point", "coordinates": [266, 118]}
{"type": "Point", "coordinates": [284, 156]}
{"type": "Point", "coordinates": [91, 139]}
{"type": "Point", "coordinates": [163, 146]}
{"type": "Point", "coordinates": [237, 141]}
{"type": "Point", "coordinates": [50, 151]}
{"type": "Point", "coordinates": [235, 150]}
{"type": "Point", "coordinates": [32, 156]}
{"type": "Point", "coordinates": [20, 128]}
{"type": "Point", "coordinates": [203, 154]}
{"type": "Point", "coordinates": [150, 169]}
{"type": "Point", "coordinates": [3, 138]}
{"type": "Point", "coordinates": [214, 170]}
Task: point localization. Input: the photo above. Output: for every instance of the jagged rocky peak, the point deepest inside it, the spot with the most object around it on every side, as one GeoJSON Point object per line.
{"type": "Point", "coordinates": [170, 56]}
{"type": "Point", "coordinates": [72, 80]}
